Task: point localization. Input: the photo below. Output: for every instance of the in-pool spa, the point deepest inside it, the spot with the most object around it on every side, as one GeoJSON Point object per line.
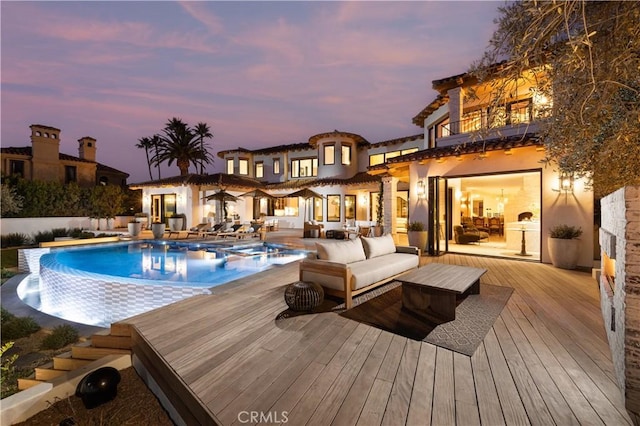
{"type": "Point", "coordinates": [102, 284]}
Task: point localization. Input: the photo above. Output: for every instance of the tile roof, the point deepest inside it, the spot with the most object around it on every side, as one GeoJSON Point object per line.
{"type": "Point", "coordinates": [476, 147]}
{"type": "Point", "coordinates": [271, 150]}
{"type": "Point", "coordinates": [397, 140]}
{"type": "Point", "coordinates": [216, 179]}
{"type": "Point", "coordinates": [361, 178]}
{"type": "Point", "coordinates": [440, 100]}
{"type": "Point", "coordinates": [313, 140]}
{"type": "Point", "coordinates": [27, 152]}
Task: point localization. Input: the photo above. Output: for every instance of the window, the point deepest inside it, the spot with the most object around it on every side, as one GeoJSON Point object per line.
{"type": "Point", "coordinates": [333, 208]}
{"type": "Point", "coordinates": [70, 174]}
{"type": "Point", "coordinates": [230, 166]}
{"type": "Point", "coordinates": [376, 159]}
{"type": "Point", "coordinates": [330, 154]}
{"type": "Point", "coordinates": [259, 169]}
{"type": "Point", "coordinates": [346, 154]}
{"type": "Point", "coordinates": [16, 167]}
{"type": "Point", "coordinates": [243, 168]}
{"type": "Point", "coordinates": [317, 209]}
{"type": "Point", "coordinates": [305, 167]}
{"type": "Point", "coordinates": [408, 151]}
{"type": "Point", "coordinates": [276, 166]}
{"type": "Point", "coordinates": [349, 206]}
{"type": "Point", "coordinates": [391, 154]}
{"type": "Point", "coordinates": [285, 206]}
{"type": "Point", "coordinates": [103, 180]}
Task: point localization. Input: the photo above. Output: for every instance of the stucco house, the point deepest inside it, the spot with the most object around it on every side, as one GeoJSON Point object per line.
{"type": "Point", "coordinates": [468, 169]}
{"type": "Point", "coordinates": [44, 161]}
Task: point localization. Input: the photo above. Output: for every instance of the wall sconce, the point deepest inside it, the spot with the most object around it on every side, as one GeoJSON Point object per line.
{"type": "Point", "coordinates": [421, 190]}
{"type": "Point", "coordinates": [565, 183]}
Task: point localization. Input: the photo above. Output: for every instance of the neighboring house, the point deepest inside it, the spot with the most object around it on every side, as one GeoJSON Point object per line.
{"type": "Point", "coordinates": [471, 166]}
{"type": "Point", "coordinates": [44, 161]}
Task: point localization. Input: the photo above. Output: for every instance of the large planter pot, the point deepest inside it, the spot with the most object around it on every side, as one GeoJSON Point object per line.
{"type": "Point", "coordinates": [175, 223]}
{"type": "Point", "coordinates": [158, 230]}
{"type": "Point", "coordinates": [102, 224]}
{"type": "Point", "coordinates": [134, 228]}
{"type": "Point", "coordinates": [564, 253]}
{"type": "Point", "coordinates": [418, 239]}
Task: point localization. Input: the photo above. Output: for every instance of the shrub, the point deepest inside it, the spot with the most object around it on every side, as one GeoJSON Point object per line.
{"type": "Point", "coordinates": [416, 226]}
{"type": "Point", "coordinates": [60, 232]}
{"type": "Point", "coordinates": [43, 237]}
{"type": "Point", "coordinates": [61, 336]}
{"type": "Point", "coordinates": [5, 315]}
{"type": "Point", "coordinates": [18, 327]}
{"type": "Point", "coordinates": [565, 232]}
{"type": "Point", "coordinates": [15, 239]}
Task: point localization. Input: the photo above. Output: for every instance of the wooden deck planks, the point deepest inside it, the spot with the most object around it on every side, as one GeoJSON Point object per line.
{"type": "Point", "coordinates": [423, 387]}
{"type": "Point", "coordinates": [545, 361]}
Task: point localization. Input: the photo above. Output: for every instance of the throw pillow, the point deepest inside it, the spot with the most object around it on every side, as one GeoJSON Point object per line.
{"type": "Point", "coordinates": [378, 246]}
{"type": "Point", "coordinates": [342, 251]}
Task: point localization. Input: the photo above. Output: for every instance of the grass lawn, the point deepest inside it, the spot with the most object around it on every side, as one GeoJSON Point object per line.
{"type": "Point", "coordinates": [9, 258]}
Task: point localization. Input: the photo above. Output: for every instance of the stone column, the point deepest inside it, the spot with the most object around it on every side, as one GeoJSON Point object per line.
{"type": "Point", "coordinates": [456, 107]}
{"type": "Point", "coordinates": [620, 289]}
{"type": "Point", "coordinates": [389, 204]}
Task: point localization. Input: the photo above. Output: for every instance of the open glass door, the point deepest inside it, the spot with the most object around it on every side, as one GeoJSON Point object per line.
{"type": "Point", "coordinates": [439, 199]}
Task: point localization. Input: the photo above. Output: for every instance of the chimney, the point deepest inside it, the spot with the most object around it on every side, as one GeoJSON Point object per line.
{"type": "Point", "coordinates": [45, 153]}
{"type": "Point", "coordinates": [87, 148]}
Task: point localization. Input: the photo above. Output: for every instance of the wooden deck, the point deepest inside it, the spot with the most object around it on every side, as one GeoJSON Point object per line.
{"type": "Point", "coordinates": [545, 361]}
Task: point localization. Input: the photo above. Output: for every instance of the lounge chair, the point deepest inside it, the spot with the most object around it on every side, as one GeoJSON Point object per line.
{"type": "Point", "coordinates": [199, 229]}
{"type": "Point", "coordinates": [213, 231]}
{"type": "Point", "coordinates": [252, 232]}
{"type": "Point", "coordinates": [233, 233]}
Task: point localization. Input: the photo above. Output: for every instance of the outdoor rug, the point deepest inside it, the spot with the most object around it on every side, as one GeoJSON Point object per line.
{"type": "Point", "coordinates": [475, 315]}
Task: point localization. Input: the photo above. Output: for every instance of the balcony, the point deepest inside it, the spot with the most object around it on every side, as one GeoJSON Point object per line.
{"type": "Point", "coordinates": [511, 120]}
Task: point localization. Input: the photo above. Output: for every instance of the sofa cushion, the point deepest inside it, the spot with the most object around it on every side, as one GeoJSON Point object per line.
{"type": "Point", "coordinates": [371, 271]}
{"type": "Point", "coordinates": [342, 251]}
{"type": "Point", "coordinates": [378, 246]}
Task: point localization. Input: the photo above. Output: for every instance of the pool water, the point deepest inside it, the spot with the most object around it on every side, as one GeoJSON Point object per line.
{"type": "Point", "coordinates": [188, 264]}
{"type": "Point", "coordinates": [103, 284]}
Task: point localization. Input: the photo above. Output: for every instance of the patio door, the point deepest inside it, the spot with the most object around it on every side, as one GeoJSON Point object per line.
{"type": "Point", "coordinates": [439, 215]}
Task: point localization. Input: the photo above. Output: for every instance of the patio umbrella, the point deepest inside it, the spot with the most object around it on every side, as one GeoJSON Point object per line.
{"type": "Point", "coordinates": [222, 196]}
{"type": "Point", "coordinates": [257, 193]}
{"type": "Point", "coordinates": [305, 193]}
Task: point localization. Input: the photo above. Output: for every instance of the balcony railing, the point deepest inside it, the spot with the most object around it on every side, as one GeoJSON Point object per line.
{"type": "Point", "coordinates": [511, 115]}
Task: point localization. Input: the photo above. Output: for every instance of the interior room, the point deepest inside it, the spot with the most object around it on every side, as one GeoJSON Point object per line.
{"type": "Point", "coordinates": [495, 215]}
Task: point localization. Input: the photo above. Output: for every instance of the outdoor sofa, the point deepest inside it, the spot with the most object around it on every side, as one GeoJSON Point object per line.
{"type": "Point", "coordinates": [347, 268]}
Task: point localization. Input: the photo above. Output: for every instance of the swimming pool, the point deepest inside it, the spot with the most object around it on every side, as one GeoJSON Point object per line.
{"type": "Point", "coordinates": [102, 284]}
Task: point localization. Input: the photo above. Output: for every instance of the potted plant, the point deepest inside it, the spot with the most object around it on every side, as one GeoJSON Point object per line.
{"type": "Point", "coordinates": [176, 222]}
{"type": "Point", "coordinates": [134, 227]}
{"type": "Point", "coordinates": [417, 235]}
{"type": "Point", "coordinates": [564, 246]}
{"type": "Point", "coordinates": [157, 228]}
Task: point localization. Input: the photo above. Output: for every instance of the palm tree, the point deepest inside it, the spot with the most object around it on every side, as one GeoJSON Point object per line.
{"type": "Point", "coordinates": [179, 142]}
{"type": "Point", "coordinates": [203, 131]}
{"type": "Point", "coordinates": [145, 143]}
{"type": "Point", "coordinates": [156, 141]}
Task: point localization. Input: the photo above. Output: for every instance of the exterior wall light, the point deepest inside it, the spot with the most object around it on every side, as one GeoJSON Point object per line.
{"type": "Point", "coordinates": [565, 183]}
{"type": "Point", "coordinates": [421, 190]}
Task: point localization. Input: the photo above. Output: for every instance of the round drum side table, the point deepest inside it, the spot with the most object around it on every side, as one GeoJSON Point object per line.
{"type": "Point", "coordinates": [303, 295]}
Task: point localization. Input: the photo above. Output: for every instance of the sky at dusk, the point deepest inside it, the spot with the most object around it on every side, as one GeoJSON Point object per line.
{"type": "Point", "coordinates": [259, 73]}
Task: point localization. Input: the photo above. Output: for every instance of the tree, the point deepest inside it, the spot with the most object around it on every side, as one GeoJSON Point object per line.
{"type": "Point", "coordinates": [181, 144]}
{"type": "Point", "coordinates": [203, 131]}
{"type": "Point", "coordinates": [156, 141]}
{"type": "Point", "coordinates": [146, 144]}
{"type": "Point", "coordinates": [585, 57]}
{"type": "Point", "coordinates": [11, 201]}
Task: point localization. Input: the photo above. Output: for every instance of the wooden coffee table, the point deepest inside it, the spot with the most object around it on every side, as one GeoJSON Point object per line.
{"type": "Point", "coordinates": [431, 291]}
